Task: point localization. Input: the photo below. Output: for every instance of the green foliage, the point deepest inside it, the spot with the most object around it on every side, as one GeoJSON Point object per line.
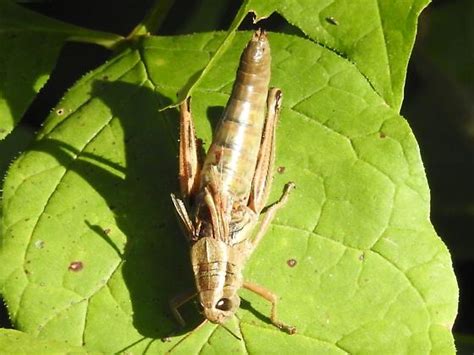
{"type": "Point", "coordinates": [91, 252]}
{"type": "Point", "coordinates": [377, 36]}
{"type": "Point", "coordinates": [29, 47]}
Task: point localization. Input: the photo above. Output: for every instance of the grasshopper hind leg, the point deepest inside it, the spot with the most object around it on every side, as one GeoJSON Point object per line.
{"type": "Point", "coordinates": [189, 169]}
{"type": "Point", "coordinates": [262, 179]}
{"type": "Point", "coordinates": [189, 164]}
{"type": "Point", "coordinates": [261, 183]}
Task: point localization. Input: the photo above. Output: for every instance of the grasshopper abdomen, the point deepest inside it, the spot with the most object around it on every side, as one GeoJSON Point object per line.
{"type": "Point", "coordinates": [235, 148]}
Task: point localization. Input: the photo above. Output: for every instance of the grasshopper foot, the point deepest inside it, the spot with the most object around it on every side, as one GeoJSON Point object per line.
{"type": "Point", "coordinates": [286, 328]}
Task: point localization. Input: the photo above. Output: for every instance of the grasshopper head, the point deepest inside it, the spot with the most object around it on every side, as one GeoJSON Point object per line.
{"type": "Point", "coordinates": [217, 270]}
{"type": "Point", "coordinates": [220, 309]}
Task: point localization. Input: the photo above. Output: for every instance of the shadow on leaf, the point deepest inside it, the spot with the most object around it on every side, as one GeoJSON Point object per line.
{"type": "Point", "coordinates": [155, 263]}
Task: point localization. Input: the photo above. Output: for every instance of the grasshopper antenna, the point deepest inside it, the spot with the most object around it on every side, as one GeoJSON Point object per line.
{"type": "Point", "coordinates": [231, 332]}
{"type": "Point", "coordinates": [131, 345]}
{"type": "Point", "coordinates": [187, 335]}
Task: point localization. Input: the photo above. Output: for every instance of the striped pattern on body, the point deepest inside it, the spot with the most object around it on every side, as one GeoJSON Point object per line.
{"type": "Point", "coordinates": [235, 148]}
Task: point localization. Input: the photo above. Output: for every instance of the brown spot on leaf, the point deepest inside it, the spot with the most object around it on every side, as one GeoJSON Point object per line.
{"type": "Point", "coordinates": [76, 266]}
{"type": "Point", "coordinates": [281, 169]}
{"type": "Point", "coordinates": [60, 111]}
{"type": "Point", "coordinates": [382, 134]}
{"type": "Point", "coordinates": [291, 262]}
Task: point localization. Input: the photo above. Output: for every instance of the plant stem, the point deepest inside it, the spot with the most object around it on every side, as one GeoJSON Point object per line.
{"type": "Point", "coordinates": [104, 39]}
{"type": "Point", "coordinates": [153, 19]}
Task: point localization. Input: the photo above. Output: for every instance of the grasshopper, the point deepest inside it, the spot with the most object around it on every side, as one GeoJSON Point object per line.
{"type": "Point", "coordinates": [222, 198]}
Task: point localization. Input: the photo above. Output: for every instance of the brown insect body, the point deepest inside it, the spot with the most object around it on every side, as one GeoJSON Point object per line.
{"type": "Point", "coordinates": [229, 191]}
{"type": "Point", "coordinates": [236, 144]}
{"type": "Point", "coordinates": [229, 167]}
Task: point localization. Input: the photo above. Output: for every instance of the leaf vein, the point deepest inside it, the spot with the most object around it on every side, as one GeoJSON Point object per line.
{"type": "Point", "coordinates": [387, 57]}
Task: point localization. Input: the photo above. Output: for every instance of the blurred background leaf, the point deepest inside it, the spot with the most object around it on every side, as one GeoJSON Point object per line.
{"type": "Point", "coordinates": [29, 46]}
{"type": "Point", "coordinates": [439, 104]}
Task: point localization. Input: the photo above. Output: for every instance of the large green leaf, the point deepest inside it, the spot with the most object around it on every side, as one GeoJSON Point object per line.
{"type": "Point", "coordinates": [15, 342]}
{"type": "Point", "coordinates": [92, 253]}
{"type": "Point", "coordinates": [29, 46]}
{"type": "Point", "coordinates": [376, 35]}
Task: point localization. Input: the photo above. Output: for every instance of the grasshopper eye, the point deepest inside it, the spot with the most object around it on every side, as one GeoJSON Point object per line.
{"type": "Point", "coordinates": [224, 304]}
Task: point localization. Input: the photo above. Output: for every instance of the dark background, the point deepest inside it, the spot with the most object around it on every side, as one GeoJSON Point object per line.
{"type": "Point", "coordinates": [438, 104]}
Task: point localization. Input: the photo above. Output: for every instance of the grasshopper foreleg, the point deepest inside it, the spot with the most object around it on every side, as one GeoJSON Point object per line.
{"type": "Point", "coordinates": [177, 302]}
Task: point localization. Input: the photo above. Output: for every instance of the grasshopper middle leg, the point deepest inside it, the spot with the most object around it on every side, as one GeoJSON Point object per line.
{"type": "Point", "coordinates": [273, 299]}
